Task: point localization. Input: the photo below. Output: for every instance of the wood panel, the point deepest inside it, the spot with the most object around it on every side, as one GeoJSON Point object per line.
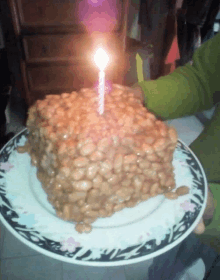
{"type": "Point", "coordinates": [65, 14]}
{"type": "Point", "coordinates": [60, 77]}
{"type": "Point", "coordinates": [77, 47]}
{"type": "Point", "coordinates": [63, 78]}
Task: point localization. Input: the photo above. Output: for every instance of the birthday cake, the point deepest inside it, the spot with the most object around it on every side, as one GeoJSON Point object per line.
{"type": "Point", "coordinates": [92, 165]}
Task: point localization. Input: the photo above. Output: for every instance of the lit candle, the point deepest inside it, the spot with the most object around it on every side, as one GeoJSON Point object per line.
{"type": "Point", "coordinates": [101, 60]}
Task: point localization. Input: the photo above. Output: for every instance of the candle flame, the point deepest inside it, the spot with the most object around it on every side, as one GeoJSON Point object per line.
{"type": "Point", "coordinates": [101, 59]}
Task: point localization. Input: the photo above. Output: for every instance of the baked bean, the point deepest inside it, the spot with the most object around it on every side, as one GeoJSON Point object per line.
{"type": "Point", "coordinates": [96, 182]}
{"type": "Point", "coordinates": [122, 193]}
{"type": "Point", "coordinates": [92, 170]}
{"type": "Point", "coordinates": [109, 207]}
{"type": "Point", "coordinates": [145, 197]}
{"type": "Point", "coordinates": [123, 150]}
{"type": "Point", "coordinates": [62, 148]}
{"type": "Point", "coordinates": [121, 122]}
{"type": "Point", "coordinates": [34, 160]}
{"type": "Point", "coordinates": [81, 162]}
{"type": "Point", "coordinates": [60, 214]}
{"type": "Point", "coordinates": [110, 154]}
{"type": "Point", "coordinates": [119, 207]}
{"type": "Point", "coordinates": [76, 196]}
{"type": "Point", "coordinates": [170, 183]}
{"type": "Point", "coordinates": [173, 134]}
{"type": "Point", "coordinates": [128, 141]}
{"type": "Point", "coordinates": [71, 148]}
{"type": "Point", "coordinates": [160, 144]}
{"type": "Point", "coordinates": [130, 159]}
{"type": "Point", "coordinates": [163, 129]}
{"type": "Point", "coordinates": [91, 200]}
{"type": "Point", "coordinates": [130, 203]}
{"type": "Point", "coordinates": [103, 213]}
{"type": "Point", "coordinates": [96, 206]}
{"type": "Point", "coordinates": [40, 175]}
{"type": "Point", "coordinates": [121, 105]}
{"type": "Point", "coordinates": [67, 211]}
{"type": "Point", "coordinates": [108, 175]}
{"type": "Point", "coordinates": [96, 156]}
{"type": "Point", "coordinates": [126, 167]}
{"type": "Point", "coordinates": [150, 116]}
{"type": "Point", "coordinates": [146, 187]}
{"type": "Point", "coordinates": [115, 141]}
{"type": "Point", "coordinates": [89, 220]}
{"type": "Point", "coordinates": [130, 175]}
{"type": "Point", "coordinates": [171, 147]}
{"type": "Point", "coordinates": [75, 209]}
{"type": "Point", "coordinates": [103, 144]}
{"type": "Point", "coordinates": [139, 171]}
{"type": "Point", "coordinates": [87, 149]}
{"type": "Point", "coordinates": [83, 228]}
{"type": "Point", "coordinates": [94, 192]}
{"type": "Point", "coordinates": [126, 183]}
{"type": "Point", "coordinates": [117, 164]}
{"type": "Point", "coordinates": [45, 162]}
{"type": "Point", "coordinates": [77, 217]}
{"type": "Point", "coordinates": [92, 214]}
{"type": "Point", "coordinates": [146, 123]}
{"type": "Point", "coordinates": [113, 179]}
{"type": "Point", "coordinates": [149, 140]}
{"type": "Point", "coordinates": [105, 188]}
{"type": "Point", "coordinates": [160, 191]}
{"type": "Point", "coordinates": [161, 154]}
{"type": "Point", "coordinates": [183, 190]}
{"type": "Point", "coordinates": [119, 89]}
{"type": "Point", "coordinates": [153, 157]}
{"type": "Point", "coordinates": [109, 214]}
{"type": "Point", "coordinates": [81, 203]}
{"type": "Point", "coordinates": [138, 151]}
{"type": "Point", "coordinates": [136, 128]}
{"type": "Point", "coordinates": [153, 189]}
{"type": "Point", "coordinates": [156, 166]}
{"type": "Point", "coordinates": [78, 173]}
{"type": "Point", "coordinates": [105, 167]}
{"type": "Point", "coordinates": [163, 177]}
{"type": "Point", "coordinates": [137, 183]}
{"type": "Point", "coordinates": [133, 168]}
{"type": "Point", "coordinates": [144, 163]}
{"type": "Point", "coordinates": [150, 173]}
{"type": "Point", "coordinates": [171, 195]}
{"type": "Point", "coordinates": [114, 199]}
{"type": "Point", "coordinates": [85, 208]}
{"type": "Point", "coordinates": [148, 149]}
{"type": "Point", "coordinates": [83, 185]}
{"type": "Point", "coordinates": [65, 171]}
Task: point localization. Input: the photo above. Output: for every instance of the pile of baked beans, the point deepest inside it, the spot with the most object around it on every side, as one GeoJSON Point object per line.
{"type": "Point", "coordinates": [93, 165]}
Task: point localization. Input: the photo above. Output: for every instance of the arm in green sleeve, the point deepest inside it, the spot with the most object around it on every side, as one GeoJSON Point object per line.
{"type": "Point", "coordinates": [189, 89]}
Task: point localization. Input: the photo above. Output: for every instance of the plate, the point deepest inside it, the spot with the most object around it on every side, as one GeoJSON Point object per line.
{"type": "Point", "coordinates": [129, 236]}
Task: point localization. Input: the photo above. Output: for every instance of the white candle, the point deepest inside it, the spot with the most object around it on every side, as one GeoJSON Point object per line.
{"type": "Point", "coordinates": [101, 60]}
{"type": "Point", "coordinates": [101, 92]}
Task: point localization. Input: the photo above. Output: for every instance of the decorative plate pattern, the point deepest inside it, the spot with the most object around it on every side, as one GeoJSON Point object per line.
{"type": "Point", "coordinates": [129, 236]}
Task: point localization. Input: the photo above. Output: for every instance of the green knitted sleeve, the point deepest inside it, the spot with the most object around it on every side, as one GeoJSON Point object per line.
{"type": "Point", "coordinates": [189, 89]}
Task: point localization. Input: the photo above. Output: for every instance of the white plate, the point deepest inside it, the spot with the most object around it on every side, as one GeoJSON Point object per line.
{"type": "Point", "coordinates": [129, 236]}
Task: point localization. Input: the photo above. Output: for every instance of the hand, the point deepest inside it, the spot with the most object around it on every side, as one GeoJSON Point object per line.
{"type": "Point", "coordinates": [208, 214]}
